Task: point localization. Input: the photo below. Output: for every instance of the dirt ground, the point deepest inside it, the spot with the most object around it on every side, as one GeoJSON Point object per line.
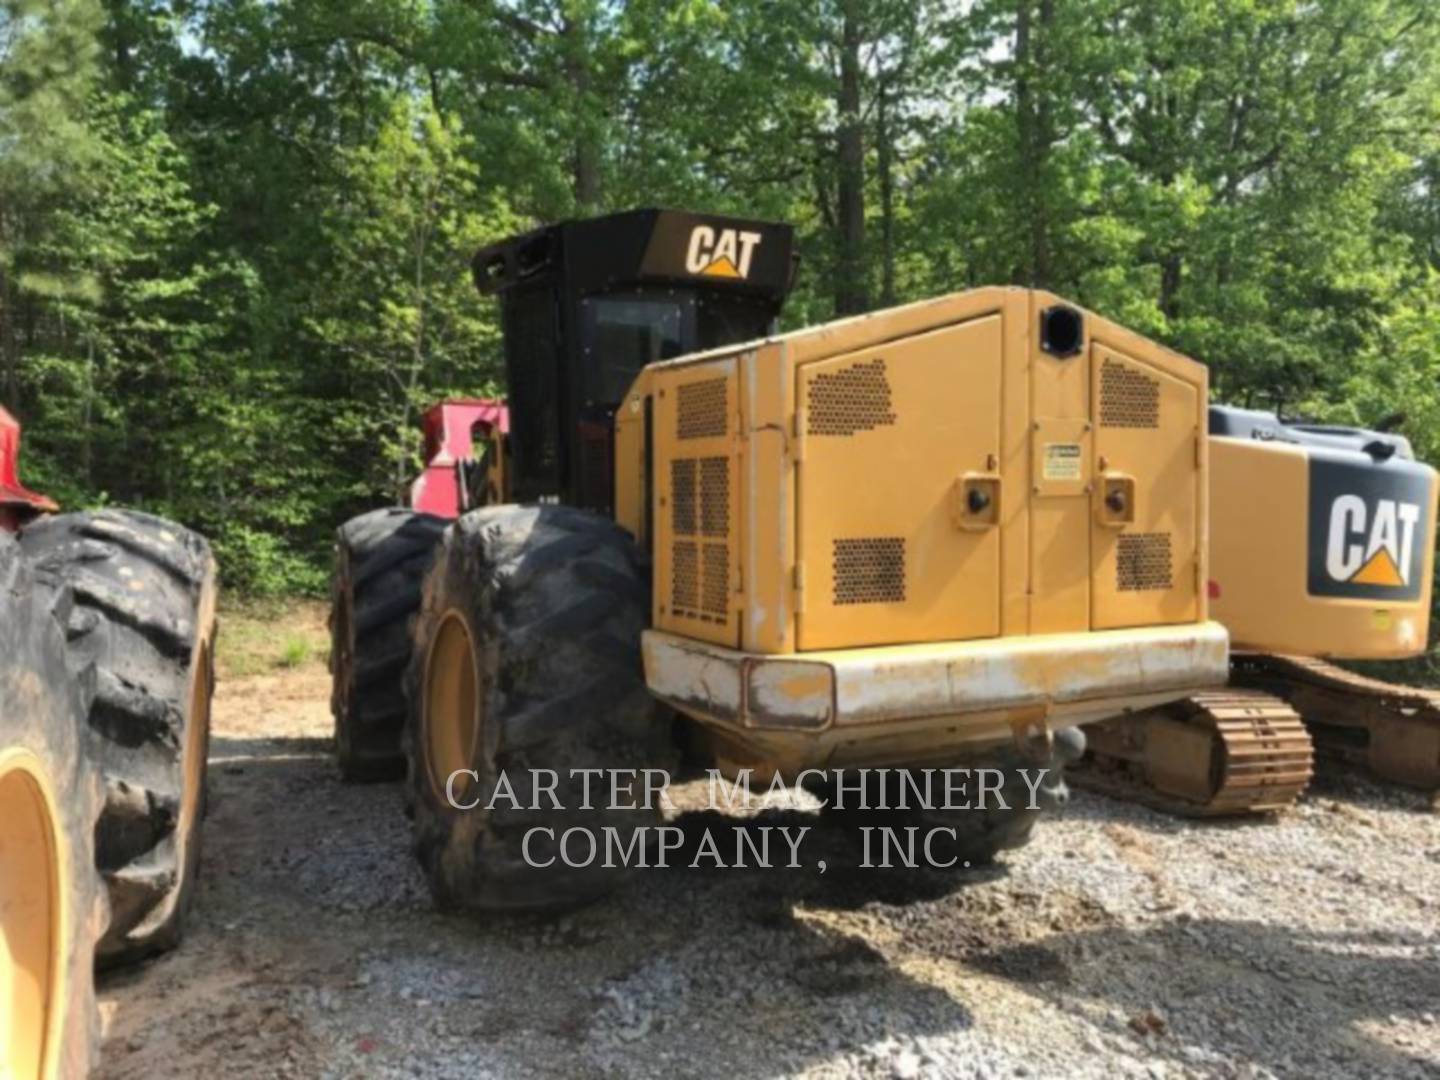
{"type": "Point", "coordinates": [1121, 942]}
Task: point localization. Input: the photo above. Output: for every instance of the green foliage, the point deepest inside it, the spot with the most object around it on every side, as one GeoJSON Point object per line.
{"type": "Point", "coordinates": [234, 235]}
{"type": "Point", "coordinates": [48, 51]}
{"type": "Point", "coordinates": [396, 315]}
{"type": "Point", "coordinates": [262, 565]}
{"type": "Point", "coordinates": [293, 653]}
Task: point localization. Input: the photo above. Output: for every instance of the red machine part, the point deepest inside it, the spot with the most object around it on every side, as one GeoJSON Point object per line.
{"type": "Point", "coordinates": [17, 503]}
{"type": "Point", "coordinates": [452, 429]}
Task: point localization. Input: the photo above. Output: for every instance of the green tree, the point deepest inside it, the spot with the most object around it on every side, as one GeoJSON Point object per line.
{"type": "Point", "coordinates": [47, 69]}
{"type": "Point", "coordinates": [396, 316]}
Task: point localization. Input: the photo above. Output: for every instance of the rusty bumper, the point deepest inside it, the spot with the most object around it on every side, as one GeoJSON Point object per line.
{"type": "Point", "coordinates": [974, 690]}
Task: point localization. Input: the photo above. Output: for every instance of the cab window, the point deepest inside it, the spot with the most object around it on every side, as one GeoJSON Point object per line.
{"type": "Point", "coordinates": [622, 335]}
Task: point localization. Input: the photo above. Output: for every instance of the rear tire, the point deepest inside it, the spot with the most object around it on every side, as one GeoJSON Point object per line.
{"type": "Point", "coordinates": [976, 836]}
{"type": "Point", "coordinates": [380, 563]}
{"type": "Point", "coordinates": [982, 834]}
{"type": "Point", "coordinates": [52, 908]}
{"type": "Point", "coordinates": [527, 657]}
{"type": "Point", "coordinates": [143, 621]}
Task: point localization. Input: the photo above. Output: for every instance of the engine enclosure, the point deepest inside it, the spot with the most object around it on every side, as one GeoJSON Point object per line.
{"type": "Point", "coordinates": [813, 490]}
{"type": "Point", "coordinates": [903, 534]}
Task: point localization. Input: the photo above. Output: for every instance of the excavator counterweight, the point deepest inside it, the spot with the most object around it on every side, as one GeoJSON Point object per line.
{"type": "Point", "coordinates": [1322, 545]}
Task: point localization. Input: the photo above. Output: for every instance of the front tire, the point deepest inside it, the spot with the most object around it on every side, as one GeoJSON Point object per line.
{"type": "Point", "coordinates": [527, 658]}
{"type": "Point", "coordinates": [144, 622]}
{"type": "Point", "coordinates": [52, 908]}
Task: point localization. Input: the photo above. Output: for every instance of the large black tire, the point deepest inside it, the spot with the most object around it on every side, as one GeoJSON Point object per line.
{"type": "Point", "coordinates": [143, 622]}
{"type": "Point", "coordinates": [52, 908]}
{"type": "Point", "coordinates": [380, 563]}
{"type": "Point", "coordinates": [538, 611]}
{"type": "Point", "coordinates": [980, 834]}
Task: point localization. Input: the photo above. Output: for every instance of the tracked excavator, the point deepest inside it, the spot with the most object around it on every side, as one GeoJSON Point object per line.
{"type": "Point", "coordinates": [1322, 543]}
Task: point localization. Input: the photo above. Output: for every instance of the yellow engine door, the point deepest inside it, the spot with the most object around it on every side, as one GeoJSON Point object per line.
{"type": "Point", "coordinates": [1145, 506]}
{"type": "Point", "coordinates": [889, 438]}
{"type": "Point", "coordinates": [696, 421]}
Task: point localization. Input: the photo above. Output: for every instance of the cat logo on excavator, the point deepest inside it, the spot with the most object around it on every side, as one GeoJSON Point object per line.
{"type": "Point", "coordinates": [1373, 554]}
{"type": "Point", "coordinates": [1365, 532]}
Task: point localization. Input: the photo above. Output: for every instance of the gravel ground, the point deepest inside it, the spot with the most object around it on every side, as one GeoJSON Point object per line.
{"type": "Point", "coordinates": [1120, 943]}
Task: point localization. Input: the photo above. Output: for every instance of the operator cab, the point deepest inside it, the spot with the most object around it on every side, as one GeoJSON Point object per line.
{"type": "Point", "coordinates": [586, 305]}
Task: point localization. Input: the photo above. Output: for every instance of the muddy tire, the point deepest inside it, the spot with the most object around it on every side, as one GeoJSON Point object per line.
{"type": "Point", "coordinates": [143, 624]}
{"type": "Point", "coordinates": [980, 834]}
{"type": "Point", "coordinates": [527, 657]}
{"type": "Point", "coordinates": [52, 906]}
{"type": "Point", "coordinates": [380, 563]}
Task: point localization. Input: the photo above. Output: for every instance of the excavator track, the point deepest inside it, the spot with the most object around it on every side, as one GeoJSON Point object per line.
{"type": "Point", "coordinates": [1391, 730]}
{"type": "Point", "coordinates": [1224, 752]}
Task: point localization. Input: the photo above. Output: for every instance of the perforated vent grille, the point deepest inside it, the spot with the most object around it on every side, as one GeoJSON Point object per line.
{"type": "Point", "coordinates": [870, 570]}
{"type": "Point", "coordinates": [701, 410]}
{"type": "Point", "coordinates": [682, 495]}
{"type": "Point", "coordinates": [851, 400]}
{"type": "Point", "coordinates": [715, 496]}
{"type": "Point", "coordinates": [1128, 399]}
{"type": "Point", "coordinates": [1143, 562]}
{"type": "Point", "coordinates": [715, 601]}
{"type": "Point", "coordinates": [700, 518]}
{"type": "Point", "coordinates": [685, 577]}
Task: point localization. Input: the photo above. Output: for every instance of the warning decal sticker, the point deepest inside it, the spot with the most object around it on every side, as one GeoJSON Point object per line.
{"type": "Point", "coordinates": [1061, 461]}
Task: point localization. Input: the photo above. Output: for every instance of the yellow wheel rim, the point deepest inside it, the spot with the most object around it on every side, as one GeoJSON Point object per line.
{"type": "Point", "coordinates": [32, 919]}
{"type": "Point", "coordinates": [340, 636]}
{"type": "Point", "coordinates": [452, 706]}
{"type": "Point", "coordinates": [201, 689]}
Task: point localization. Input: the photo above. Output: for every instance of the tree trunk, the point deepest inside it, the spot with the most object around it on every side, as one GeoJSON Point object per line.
{"type": "Point", "coordinates": [587, 175]}
{"type": "Point", "coordinates": [1032, 117]}
{"type": "Point", "coordinates": [586, 155]}
{"type": "Point", "coordinates": [884, 161]}
{"type": "Point", "coordinates": [9, 347]}
{"type": "Point", "coordinates": [119, 16]}
{"type": "Point", "coordinates": [1171, 270]}
{"type": "Point", "coordinates": [851, 293]}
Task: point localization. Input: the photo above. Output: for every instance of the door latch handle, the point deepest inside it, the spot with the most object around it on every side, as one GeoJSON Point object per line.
{"type": "Point", "coordinates": [1115, 504]}
{"type": "Point", "coordinates": [976, 505]}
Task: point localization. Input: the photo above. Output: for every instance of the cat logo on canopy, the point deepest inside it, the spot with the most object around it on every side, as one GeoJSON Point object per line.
{"type": "Point", "coordinates": [724, 253]}
{"type": "Point", "coordinates": [1368, 548]}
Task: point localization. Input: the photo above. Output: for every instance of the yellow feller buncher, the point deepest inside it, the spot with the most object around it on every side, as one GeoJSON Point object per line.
{"type": "Point", "coordinates": [1322, 543]}
{"type": "Point", "coordinates": [930, 536]}
{"type": "Point", "coordinates": [106, 624]}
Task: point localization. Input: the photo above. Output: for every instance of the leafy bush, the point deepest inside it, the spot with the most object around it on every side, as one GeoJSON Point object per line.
{"type": "Point", "coordinates": [260, 564]}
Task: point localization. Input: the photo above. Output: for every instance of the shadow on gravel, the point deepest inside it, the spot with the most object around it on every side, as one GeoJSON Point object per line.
{"type": "Point", "coordinates": [310, 884]}
{"type": "Point", "coordinates": [844, 883]}
{"type": "Point", "coordinates": [1333, 783]}
{"type": "Point", "coordinates": [1215, 977]}
{"type": "Point", "coordinates": [1352, 785]}
{"type": "Point", "coordinates": [227, 749]}
{"type": "Point", "coordinates": [1094, 806]}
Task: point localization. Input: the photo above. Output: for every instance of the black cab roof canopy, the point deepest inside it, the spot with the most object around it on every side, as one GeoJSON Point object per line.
{"type": "Point", "coordinates": [585, 305]}
{"type": "Point", "coordinates": [636, 247]}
